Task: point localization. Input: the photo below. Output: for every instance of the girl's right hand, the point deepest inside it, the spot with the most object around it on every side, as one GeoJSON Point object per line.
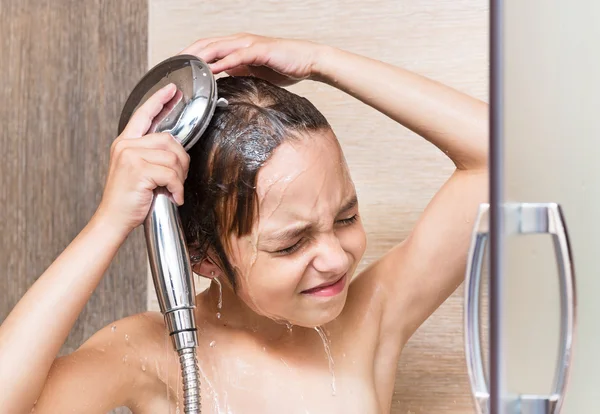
{"type": "Point", "coordinates": [139, 163]}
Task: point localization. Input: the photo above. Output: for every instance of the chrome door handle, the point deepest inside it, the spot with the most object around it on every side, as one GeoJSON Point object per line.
{"type": "Point", "coordinates": [522, 218]}
{"type": "Point", "coordinates": [473, 354]}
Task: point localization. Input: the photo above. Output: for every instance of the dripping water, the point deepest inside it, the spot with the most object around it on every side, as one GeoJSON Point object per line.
{"type": "Point", "coordinates": [210, 387]}
{"type": "Point", "coordinates": [326, 344]}
{"type": "Point", "coordinates": [220, 303]}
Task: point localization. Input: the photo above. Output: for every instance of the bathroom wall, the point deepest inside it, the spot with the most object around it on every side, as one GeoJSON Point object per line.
{"type": "Point", "coordinates": [395, 171]}
{"type": "Point", "coordinates": [67, 68]}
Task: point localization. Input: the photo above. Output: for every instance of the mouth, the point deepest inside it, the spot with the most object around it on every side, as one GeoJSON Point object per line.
{"type": "Point", "coordinates": [330, 289]}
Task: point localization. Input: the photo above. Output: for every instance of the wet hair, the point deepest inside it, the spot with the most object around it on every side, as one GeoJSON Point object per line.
{"type": "Point", "coordinates": [220, 190]}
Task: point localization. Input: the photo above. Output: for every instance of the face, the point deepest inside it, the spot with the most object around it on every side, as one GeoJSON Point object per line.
{"type": "Point", "coordinates": [297, 263]}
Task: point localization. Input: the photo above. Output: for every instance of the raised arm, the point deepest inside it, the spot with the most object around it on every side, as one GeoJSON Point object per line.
{"type": "Point", "coordinates": [454, 122]}
{"type": "Point", "coordinates": [429, 265]}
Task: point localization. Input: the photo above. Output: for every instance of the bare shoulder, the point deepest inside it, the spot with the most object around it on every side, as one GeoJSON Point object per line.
{"type": "Point", "coordinates": [108, 370]}
{"type": "Point", "coordinates": [138, 331]}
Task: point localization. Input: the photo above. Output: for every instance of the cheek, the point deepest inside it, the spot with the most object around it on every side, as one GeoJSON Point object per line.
{"type": "Point", "coordinates": [277, 274]}
{"type": "Point", "coordinates": [272, 283]}
{"type": "Point", "coordinates": [354, 241]}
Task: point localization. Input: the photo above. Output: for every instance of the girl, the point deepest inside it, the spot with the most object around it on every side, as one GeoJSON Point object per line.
{"type": "Point", "coordinates": [271, 216]}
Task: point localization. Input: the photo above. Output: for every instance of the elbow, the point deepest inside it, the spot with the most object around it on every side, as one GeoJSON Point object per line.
{"type": "Point", "coordinates": [474, 156]}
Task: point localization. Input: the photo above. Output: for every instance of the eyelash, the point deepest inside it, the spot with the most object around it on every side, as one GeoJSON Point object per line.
{"type": "Point", "coordinates": [291, 249]}
{"type": "Point", "coordinates": [298, 244]}
{"type": "Point", "coordinates": [349, 220]}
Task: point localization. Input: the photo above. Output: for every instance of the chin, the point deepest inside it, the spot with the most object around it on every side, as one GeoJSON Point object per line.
{"type": "Point", "coordinates": [322, 314]}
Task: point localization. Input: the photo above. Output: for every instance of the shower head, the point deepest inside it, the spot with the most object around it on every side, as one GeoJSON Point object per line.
{"type": "Point", "coordinates": [187, 115]}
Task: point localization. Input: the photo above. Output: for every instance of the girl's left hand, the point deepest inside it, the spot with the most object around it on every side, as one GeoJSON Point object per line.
{"type": "Point", "coordinates": [280, 61]}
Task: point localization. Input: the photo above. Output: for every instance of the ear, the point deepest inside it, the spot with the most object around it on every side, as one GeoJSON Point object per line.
{"type": "Point", "coordinates": [206, 267]}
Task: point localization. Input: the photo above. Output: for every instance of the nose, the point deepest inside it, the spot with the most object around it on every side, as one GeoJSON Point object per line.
{"type": "Point", "coordinates": [331, 257]}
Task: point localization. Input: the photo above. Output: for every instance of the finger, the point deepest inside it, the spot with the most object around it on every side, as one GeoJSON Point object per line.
{"type": "Point", "coordinates": [164, 159]}
{"type": "Point", "coordinates": [220, 49]}
{"type": "Point", "coordinates": [200, 44]}
{"type": "Point", "coordinates": [241, 57]}
{"type": "Point", "coordinates": [160, 176]}
{"type": "Point", "coordinates": [142, 118]}
{"type": "Point", "coordinates": [240, 71]}
{"type": "Point", "coordinates": [160, 141]}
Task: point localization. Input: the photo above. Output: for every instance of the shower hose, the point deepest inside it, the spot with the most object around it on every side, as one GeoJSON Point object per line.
{"type": "Point", "coordinates": [191, 381]}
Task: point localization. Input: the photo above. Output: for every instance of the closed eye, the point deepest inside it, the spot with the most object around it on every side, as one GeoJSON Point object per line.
{"type": "Point", "coordinates": [296, 246]}
{"type": "Point", "coordinates": [348, 221]}
{"type": "Point", "coordinates": [291, 249]}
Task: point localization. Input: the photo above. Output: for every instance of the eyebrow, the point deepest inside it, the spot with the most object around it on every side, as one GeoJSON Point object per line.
{"type": "Point", "coordinates": [296, 231]}
{"type": "Point", "coordinates": [350, 204]}
{"type": "Point", "coordinates": [290, 233]}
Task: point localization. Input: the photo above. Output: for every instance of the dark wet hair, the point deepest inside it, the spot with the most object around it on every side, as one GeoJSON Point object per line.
{"type": "Point", "coordinates": [220, 190]}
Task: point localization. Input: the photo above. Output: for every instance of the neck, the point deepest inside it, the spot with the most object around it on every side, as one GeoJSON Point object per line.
{"type": "Point", "coordinates": [235, 314]}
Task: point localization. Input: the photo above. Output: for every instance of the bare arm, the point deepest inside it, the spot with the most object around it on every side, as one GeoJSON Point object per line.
{"type": "Point", "coordinates": [428, 266]}
{"type": "Point", "coordinates": [34, 331]}
{"type": "Point", "coordinates": [32, 334]}
{"type": "Point", "coordinates": [454, 122]}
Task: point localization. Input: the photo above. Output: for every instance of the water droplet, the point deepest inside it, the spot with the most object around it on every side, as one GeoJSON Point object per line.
{"type": "Point", "coordinates": [144, 368]}
{"type": "Point", "coordinates": [220, 303]}
{"type": "Point", "coordinates": [328, 354]}
{"type": "Point", "coordinates": [203, 73]}
{"type": "Point", "coordinates": [125, 358]}
{"type": "Point", "coordinates": [212, 344]}
{"type": "Point", "coordinates": [218, 315]}
{"type": "Point", "coordinates": [126, 337]}
{"type": "Point", "coordinates": [113, 328]}
{"type": "Point", "coordinates": [195, 77]}
{"type": "Point", "coordinates": [167, 119]}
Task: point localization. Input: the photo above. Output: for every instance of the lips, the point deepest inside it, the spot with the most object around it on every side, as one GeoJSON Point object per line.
{"type": "Point", "coordinates": [328, 288]}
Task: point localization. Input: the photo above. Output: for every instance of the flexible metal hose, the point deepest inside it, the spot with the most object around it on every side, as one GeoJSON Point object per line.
{"type": "Point", "coordinates": [191, 381]}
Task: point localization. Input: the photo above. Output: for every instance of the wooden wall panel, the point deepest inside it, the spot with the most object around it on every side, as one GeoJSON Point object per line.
{"type": "Point", "coordinates": [67, 68]}
{"type": "Point", "coordinates": [396, 172]}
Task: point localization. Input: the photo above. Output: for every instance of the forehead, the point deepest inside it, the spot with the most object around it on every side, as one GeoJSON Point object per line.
{"type": "Point", "coordinates": [305, 179]}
